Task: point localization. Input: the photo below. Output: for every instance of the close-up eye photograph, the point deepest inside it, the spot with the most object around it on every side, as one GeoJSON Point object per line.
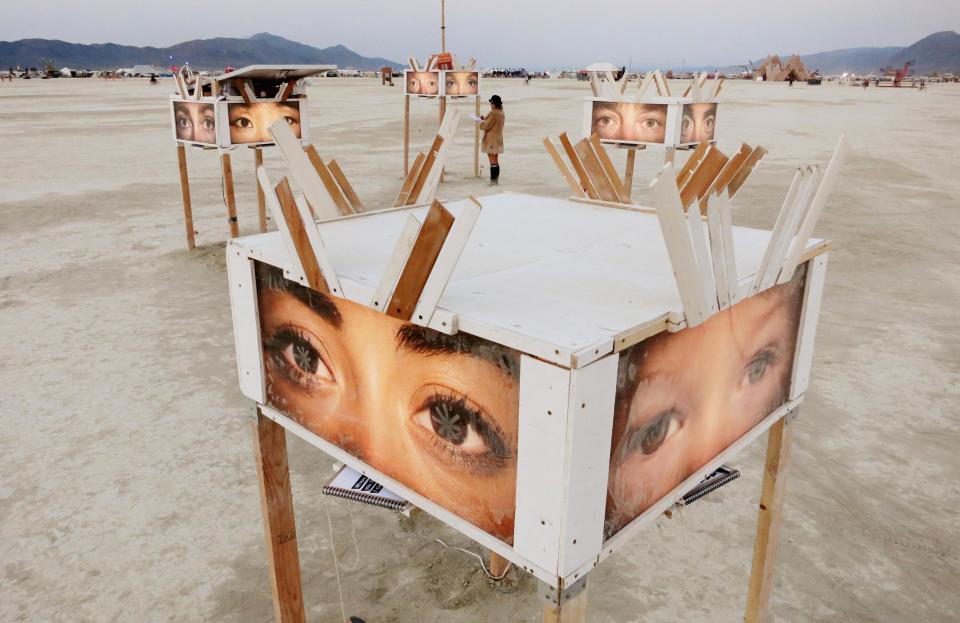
{"type": "Point", "coordinates": [428, 313]}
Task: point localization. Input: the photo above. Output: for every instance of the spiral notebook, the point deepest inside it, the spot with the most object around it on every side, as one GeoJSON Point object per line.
{"type": "Point", "coordinates": [352, 485]}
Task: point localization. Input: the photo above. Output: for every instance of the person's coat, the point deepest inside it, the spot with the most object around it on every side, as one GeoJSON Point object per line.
{"type": "Point", "coordinates": [492, 127]}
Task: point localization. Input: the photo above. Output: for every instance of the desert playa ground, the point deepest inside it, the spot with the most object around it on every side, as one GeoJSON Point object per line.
{"type": "Point", "coordinates": [127, 482]}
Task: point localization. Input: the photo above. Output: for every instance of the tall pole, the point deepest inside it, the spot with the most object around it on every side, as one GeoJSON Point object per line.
{"type": "Point", "coordinates": [443, 27]}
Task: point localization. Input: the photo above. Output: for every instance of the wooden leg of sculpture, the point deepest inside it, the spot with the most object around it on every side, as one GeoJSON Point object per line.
{"type": "Point", "coordinates": [406, 135]}
{"type": "Point", "coordinates": [769, 519]}
{"type": "Point", "coordinates": [261, 198]}
{"type": "Point", "coordinates": [279, 523]}
{"type": "Point", "coordinates": [476, 141]}
{"type": "Point", "coordinates": [628, 173]}
{"type": "Point", "coordinates": [228, 193]}
{"type": "Point", "coordinates": [185, 191]}
{"type": "Point", "coordinates": [443, 111]}
{"type": "Point", "coordinates": [570, 607]}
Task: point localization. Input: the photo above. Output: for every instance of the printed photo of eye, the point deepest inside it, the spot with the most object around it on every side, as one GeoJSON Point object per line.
{"type": "Point", "coordinates": [250, 123]}
{"type": "Point", "coordinates": [194, 122]}
{"type": "Point", "coordinates": [629, 122]}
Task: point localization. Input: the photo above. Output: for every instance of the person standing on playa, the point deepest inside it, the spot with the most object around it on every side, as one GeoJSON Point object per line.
{"type": "Point", "coordinates": [492, 126]}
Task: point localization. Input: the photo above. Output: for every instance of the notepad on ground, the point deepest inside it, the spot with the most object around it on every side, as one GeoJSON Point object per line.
{"type": "Point", "coordinates": [352, 485]}
{"type": "Point", "coordinates": [714, 481]}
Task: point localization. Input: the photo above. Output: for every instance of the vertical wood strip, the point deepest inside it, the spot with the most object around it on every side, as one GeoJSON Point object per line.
{"type": "Point", "coordinates": [608, 168]}
{"type": "Point", "coordinates": [409, 181]}
{"type": "Point", "coordinates": [564, 170]}
{"type": "Point", "coordinates": [628, 173]}
{"type": "Point", "coordinates": [185, 191]}
{"type": "Point", "coordinates": [261, 198]}
{"type": "Point", "coordinates": [328, 182]}
{"type": "Point", "coordinates": [308, 259]}
{"type": "Point", "coordinates": [585, 182]}
{"type": "Point", "coordinates": [227, 168]}
{"type": "Point", "coordinates": [279, 521]}
{"type": "Point", "coordinates": [423, 256]}
{"type": "Point", "coordinates": [595, 171]}
{"type": "Point", "coordinates": [573, 611]}
{"type": "Point", "coordinates": [476, 141]}
{"type": "Point", "coordinates": [355, 204]}
{"type": "Point", "coordinates": [406, 134]}
{"type": "Point", "coordinates": [769, 519]}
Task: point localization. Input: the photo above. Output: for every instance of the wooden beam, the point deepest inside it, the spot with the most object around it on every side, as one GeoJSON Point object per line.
{"type": "Point", "coordinates": [406, 133]}
{"type": "Point", "coordinates": [279, 521]}
{"type": "Point", "coordinates": [702, 177]}
{"type": "Point", "coordinates": [595, 171]}
{"type": "Point", "coordinates": [769, 519]}
{"type": "Point", "coordinates": [628, 172]}
{"type": "Point", "coordinates": [329, 184]}
{"type": "Point", "coordinates": [355, 204]}
{"type": "Point", "coordinates": [609, 169]}
{"type": "Point", "coordinates": [227, 169]}
{"type": "Point", "coordinates": [585, 182]}
{"type": "Point", "coordinates": [564, 170]}
{"type": "Point", "coordinates": [304, 171]}
{"type": "Point", "coordinates": [573, 611]}
{"type": "Point", "coordinates": [284, 93]}
{"type": "Point", "coordinates": [691, 163]}
{"type": "Point", "coordinates": [740, 177]}
{"type": "Point", "coordinates": [298, 232]}
{"type": "Point", "coordinates": [425, 170]}
{"type": "Point", "coordinates": [730, 169]}
{"type": "Point", "coordinates": [185, 192]}
{"type": "Point", "coordinates": [423, 256]}
{"type": "Point", "coordinates": [242, 86]}
{"type": "Point", "coordinates": [409, 181]}
{"type": "Point", "coordinates": [261, 199]}
{"type": "Point", "coordinates": [476, 139]}
{"type": "Point", "coordinates": [498, 565]}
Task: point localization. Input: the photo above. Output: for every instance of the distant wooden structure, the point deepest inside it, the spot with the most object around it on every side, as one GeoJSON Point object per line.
{"type": "Point", "coordinates": [773, 69]}
{"type": "Point", "coordinates": [386, 76]}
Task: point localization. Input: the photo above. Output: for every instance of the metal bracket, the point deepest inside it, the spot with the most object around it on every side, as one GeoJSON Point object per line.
{"type": "Point", "coordinates": [560, 596]}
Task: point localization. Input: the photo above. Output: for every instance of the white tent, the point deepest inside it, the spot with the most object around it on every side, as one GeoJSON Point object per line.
{"type": "Point", "coordinates": [144, 70]}
{"type": "Point", "coordinates": [597, 67]}
{"type": "Point", "coordinates": [66, 72]}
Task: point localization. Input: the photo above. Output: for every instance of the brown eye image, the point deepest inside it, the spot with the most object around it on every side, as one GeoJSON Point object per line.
{"type": "Point", "coordinates": [250, 123]}
{"type": "Point", "coordinates": [195, 122]}
{"type": "Point", "coordinates": [437, 412]}
{"type": "Point", "coordinates": [698, 122]}
{"type": "Point", "coordinates": [684, 397]}
{"type": "Point", "coordinates": [462, 83]}
{"type": "Point", "coordinates": [629, 122]}
{"type": "Point", "coordinates": [423, 83]}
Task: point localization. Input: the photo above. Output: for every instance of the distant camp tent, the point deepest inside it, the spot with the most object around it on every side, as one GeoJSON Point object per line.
{"type": "Point", "coordinates": [773, 69]}
{"type": "Point", "coordinates": [144, 71]}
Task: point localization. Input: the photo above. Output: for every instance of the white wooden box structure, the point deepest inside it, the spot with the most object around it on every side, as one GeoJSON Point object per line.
{"type": "Point", "coordinates": [572, 289]}
{"type": "Point", "coordinates": [656, 121]}
{"type": "Point", "coordinates": [441, 82]}
{"type": "Point", "coordinates": [237, 108]}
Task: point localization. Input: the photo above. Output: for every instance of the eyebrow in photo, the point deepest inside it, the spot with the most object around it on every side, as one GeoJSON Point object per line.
{"type": "Point", "coordinates": [271, 278]}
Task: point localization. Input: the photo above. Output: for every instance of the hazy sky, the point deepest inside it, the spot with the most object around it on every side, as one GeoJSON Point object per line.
{"type": "Point", "coordinates": [532, 33]}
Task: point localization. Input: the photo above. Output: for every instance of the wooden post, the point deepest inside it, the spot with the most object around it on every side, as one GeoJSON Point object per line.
{"type": "Point", "coordinates": [443, 112]}
{"type": "Point", "coordinates": [406, 134]}
{"type": "Point", "coordinates": [628, 173]}
{"type": "Point", "coordinates": [498, 564]}
{"type": "Point", "coordinates": [228, 191]}
{"type": "Point", "coordinates": [568, 605]}
{"type": "Point", "coordinates": [261, 199]}
{"type": "Point", "coordinates": [185, 191]}
{"type": "Point", "coordinates": [671, 153]}
{"type": "Point", "coordinates": [769, 519]}
{"type": "Point", "coordinates": [279, 522]}
{"type": "Point", "coordinates": [476, 140]}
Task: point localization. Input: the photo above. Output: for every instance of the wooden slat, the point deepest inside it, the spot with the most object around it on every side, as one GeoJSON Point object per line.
{"type": "Point", "coordinates": [240, 86]}
{"type": "Point", "coordinates": [691, 163]}
{"type": "Point", "coordinates": [328, 182]}
{"type": "Point", "coordinates": [564, 169]}
{"type": "Point", "coordinates": [423, 256]}
{"type": "Point", "coordinates": [303, 170]}
{"type": "Point", "coordinates": [287, 90]}
{"type": "Point", "coordinates": [185, 192]}
{"type": "Point", "coordinates": [279, 521]}
{"type": "Point", "coordinates": [740, 177]}
{"type": "Point", "coordinates": [769, 519]}
{"type": "Point", "coordinates": [628, 173]}
{"type": "Point", "coordinates": [308, 260]}
{"type": "Point", "coordinates": [227, 168]}
{"type": "Point", "coordinates": [425, 170]}
{"type": "Point", "coordinates": [261, 198]}
{"type": "Point", "coordinates": [573, 611]}
{"type": "Point", "coordinates": [585, 182]}
{"type": "Point", "coordinates": [730, 169]}
{"type": "Point", "coordinates": [409, 181]}
{"type": "Point", "coordinates": [702, 177]}
{"type": "Point", "coordinates": [609, 169]}
{"type": "Point", "coordinates": [355, 204]}
{"type": "Point", "coordinates": [595, 171]}
{"type": "Point", "coordinates": [391, 274]}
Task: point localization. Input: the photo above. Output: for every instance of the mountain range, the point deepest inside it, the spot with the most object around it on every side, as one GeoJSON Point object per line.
{"type": "Point", "coordinates": [938, 52]}
{"type": "Point", "coordinates": [213, 54]}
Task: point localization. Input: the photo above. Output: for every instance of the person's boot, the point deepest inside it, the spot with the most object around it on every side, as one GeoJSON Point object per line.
{"type": "Point", "coordinates": [494, 174]}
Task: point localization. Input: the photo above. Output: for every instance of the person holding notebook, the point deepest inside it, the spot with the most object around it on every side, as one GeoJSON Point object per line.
{"type": "Point", "coordinates": [492, 126]}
